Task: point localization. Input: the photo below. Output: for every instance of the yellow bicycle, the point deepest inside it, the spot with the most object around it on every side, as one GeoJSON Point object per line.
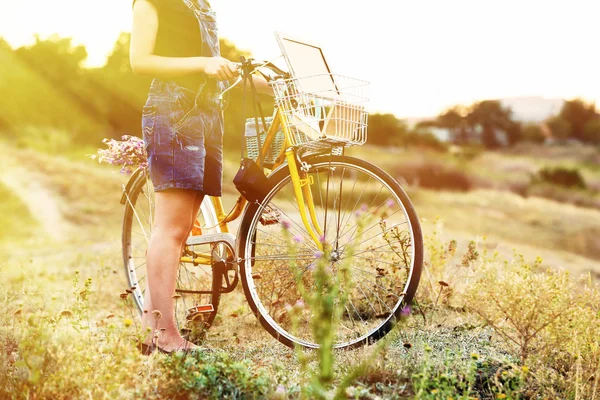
{"type": "Point", "coordinates": [314, 199]}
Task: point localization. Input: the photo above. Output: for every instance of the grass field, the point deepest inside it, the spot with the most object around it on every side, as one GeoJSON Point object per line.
{"type": "Point", "coordinates": [66, 333]}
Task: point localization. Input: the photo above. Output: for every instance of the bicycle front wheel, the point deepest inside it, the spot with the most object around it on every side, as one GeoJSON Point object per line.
{"type": "Point", "coordinates": [196, 284]}
{"type": "Point", "coordinates": [369, 225]}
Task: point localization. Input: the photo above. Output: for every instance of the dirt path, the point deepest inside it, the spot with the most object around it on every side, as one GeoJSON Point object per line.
{"type": "Point", "coordinates": [29, 187]}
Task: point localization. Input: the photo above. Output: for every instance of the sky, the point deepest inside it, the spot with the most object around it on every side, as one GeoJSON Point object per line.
{"type": "Point", "coordinates": [420, 56]}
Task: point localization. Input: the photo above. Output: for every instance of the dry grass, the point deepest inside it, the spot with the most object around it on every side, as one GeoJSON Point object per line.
{"type": "Point", "coordinates": [61, 340]}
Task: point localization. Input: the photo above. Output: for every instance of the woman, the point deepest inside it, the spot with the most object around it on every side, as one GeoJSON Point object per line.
{"type": "Point", "coordinates": [183, 131]}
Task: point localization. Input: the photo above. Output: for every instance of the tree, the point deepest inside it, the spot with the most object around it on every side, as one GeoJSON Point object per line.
{"type": "Point", "coordinates": [578, 114]}
{"type": "Point", "coordinates": [122, 92]}
{"type": "Point", "coordinates": [560, 127]}
{"type": "Point", "coordinates": [533, 133]}
{"type": "Point", "coordinates": [43, 85]}
{"type": "Point", "coordinates": [454, 120]}
{"type": "Point", "coordinates": [493, 119]}
{"type": "Point", "coordinates": [591, 131]}
{"type": "Point", "coordinates": [386, 130]}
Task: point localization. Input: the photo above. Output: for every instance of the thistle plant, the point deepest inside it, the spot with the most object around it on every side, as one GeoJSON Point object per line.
{"type": "Point", "coordinates": [325, 303]}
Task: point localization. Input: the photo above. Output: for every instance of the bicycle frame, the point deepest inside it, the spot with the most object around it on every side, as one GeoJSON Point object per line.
{"type": "Point", "coordinates": [300, 181]}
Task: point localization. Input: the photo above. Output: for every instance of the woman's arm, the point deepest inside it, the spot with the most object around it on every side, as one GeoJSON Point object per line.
{"type": "Point", "coordinates": [142, 58]}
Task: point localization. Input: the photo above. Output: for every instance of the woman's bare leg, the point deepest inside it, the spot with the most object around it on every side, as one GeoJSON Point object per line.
{"type": "Point", "coordinates": [174, 216]}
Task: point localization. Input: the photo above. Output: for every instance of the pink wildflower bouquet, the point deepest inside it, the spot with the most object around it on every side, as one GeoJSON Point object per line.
{"type": "Point", "coordinates": [129, 153]}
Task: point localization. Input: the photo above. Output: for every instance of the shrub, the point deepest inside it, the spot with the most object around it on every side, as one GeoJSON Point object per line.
{"type": "Point", "coordinates": [560, 176]}
{"type": "Point", "coordinates": [433, 175]}
{"type": "Point", "coordinates": [533, 133]}
{"type": "Point", "coordinates": [423, 139]}
{"type": "Point", "coordinates": [548, 321]}
{"type": "Point", "coordinates": [581, 198]}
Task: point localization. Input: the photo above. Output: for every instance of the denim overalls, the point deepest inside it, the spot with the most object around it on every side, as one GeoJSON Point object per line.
{"type": "Point", "coordinates": [183, 130]}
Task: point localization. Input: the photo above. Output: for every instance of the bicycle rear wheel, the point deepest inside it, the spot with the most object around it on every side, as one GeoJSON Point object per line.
{"type": "Point", "coordinates": [196, 284]}
{"type": "Point", "coordinates": [368, 223]}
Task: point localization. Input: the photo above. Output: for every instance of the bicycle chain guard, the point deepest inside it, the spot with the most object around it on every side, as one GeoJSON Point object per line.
{"type": "Point", "coordinates": [223, 262]}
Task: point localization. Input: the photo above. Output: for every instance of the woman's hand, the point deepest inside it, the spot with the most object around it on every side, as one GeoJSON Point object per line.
{"type": "Point", "coordinates": [220, 68]}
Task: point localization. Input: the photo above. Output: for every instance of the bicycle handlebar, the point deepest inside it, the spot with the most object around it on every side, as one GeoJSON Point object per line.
{"type": "Point", "coordinates": [249, 66]}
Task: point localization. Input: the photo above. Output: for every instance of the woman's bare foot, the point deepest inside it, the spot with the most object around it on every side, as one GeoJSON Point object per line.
{"type": "Point", "coordinates": [175, 344]}
{"type": "Point", "coordinates": [171, 345]}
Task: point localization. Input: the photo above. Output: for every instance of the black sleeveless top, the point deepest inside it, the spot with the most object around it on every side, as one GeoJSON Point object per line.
{"type": "Point", "coordinates": [178, 36]}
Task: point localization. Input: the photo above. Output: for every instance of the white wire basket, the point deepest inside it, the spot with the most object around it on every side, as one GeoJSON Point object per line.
{"type": "Point", "coordinates": [324, 110]}
{"type": "Point", "coordinates": [252, 141]}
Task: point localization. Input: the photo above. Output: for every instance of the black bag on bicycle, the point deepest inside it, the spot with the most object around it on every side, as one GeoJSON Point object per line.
{"type": "Point", "coordinates": [251, 181]}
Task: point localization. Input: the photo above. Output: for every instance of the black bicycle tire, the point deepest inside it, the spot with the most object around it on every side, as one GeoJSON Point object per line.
{"type": "Point", "coordinates": [282, 174]}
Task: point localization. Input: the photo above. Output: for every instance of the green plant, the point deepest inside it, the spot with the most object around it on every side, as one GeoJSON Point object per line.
{"type": "Point", "coordinates": [198, 375]}
{"type": "Point", "coordinates": [433, 381]}
{"type": "Point", "coordinates": [326, 300]}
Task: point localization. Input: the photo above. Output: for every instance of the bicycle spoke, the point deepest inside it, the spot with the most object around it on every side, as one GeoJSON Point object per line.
{"type": "Point", "coordinates": [377, 272]}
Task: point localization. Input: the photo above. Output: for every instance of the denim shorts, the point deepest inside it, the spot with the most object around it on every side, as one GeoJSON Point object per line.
{"type": "Point", "coordinates": [184, 143]}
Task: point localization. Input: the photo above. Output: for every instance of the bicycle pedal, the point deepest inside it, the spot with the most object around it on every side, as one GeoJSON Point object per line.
{"type": "Point", "coordinates": [193, 312]}
{"type": "Point", "coordinates": [270, 216]}
{"type": "Point", "coordinates": [212, 238]}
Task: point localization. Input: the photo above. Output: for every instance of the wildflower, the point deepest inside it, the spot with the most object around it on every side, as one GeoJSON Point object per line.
{"type": "Point", "coordinates": [66, 313]}
{"type": "Point", "coordinates": [111, 315]}
{"type": "Point", "coordinates": [390, 203]}
{"type": "Point", "coordinates": [318, 254]}
{"type": "Point", "coordinates": [130, 152]}
{"type": "Point", "coordinates": [475, 356]}
{"type": "Point", "coordinates": [157, 314]}
{"type": "Point", "coordinates": [176, 296]}
{"type": "Point", "coordinates": [500, 396]}
{"type": "Point", "coordinates": [280, 392]}
{"type": "Point", "coordinates": [351, 391]}
{"type": "Point", "coordinates": [405, 311]}
{"type": "Point", "coordinates": [297, 239]}
{"type": "Point", "coordinates": [444, 284]}
{"type": "Point", "coordinates": [407, 345]}
{"type": "Point", "coordinates": [525, 369]}
{"type": "Point", "coordinates": [127, 322]}
{"type": "Point", "coordinates": [286, 224]}
{"type": "Point", "coordinates": [124, 295]}
{"type": "Point", "coordinates": [363, 209]}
